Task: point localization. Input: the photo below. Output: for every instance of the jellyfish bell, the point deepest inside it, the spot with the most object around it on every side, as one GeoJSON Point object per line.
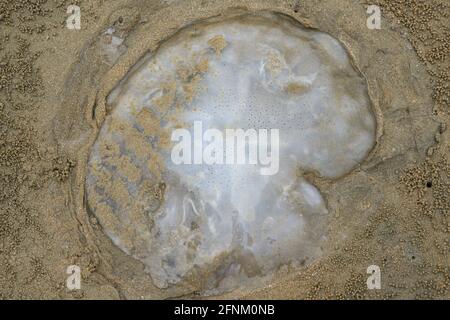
{"type": "Point", "coordinates": [218, 226]}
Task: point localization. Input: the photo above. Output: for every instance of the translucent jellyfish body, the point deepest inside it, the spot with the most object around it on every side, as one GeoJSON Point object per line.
{"type": "Point", "coordinates": [216, 226]}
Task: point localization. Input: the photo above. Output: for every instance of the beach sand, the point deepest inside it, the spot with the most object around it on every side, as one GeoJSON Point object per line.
{"type": "Point", "coordinates": [392, 210]}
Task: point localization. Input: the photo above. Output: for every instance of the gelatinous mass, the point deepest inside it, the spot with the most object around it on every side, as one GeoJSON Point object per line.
{"type": "Point", "coordinates": [215, 227]}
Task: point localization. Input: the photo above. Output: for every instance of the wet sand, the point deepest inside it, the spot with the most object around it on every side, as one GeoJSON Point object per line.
{"type": "Point", "coordinates": [391, 211]}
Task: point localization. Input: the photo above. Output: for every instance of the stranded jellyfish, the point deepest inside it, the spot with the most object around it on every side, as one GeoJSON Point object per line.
{"type": "Point", "coordinates": [215, 225]}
